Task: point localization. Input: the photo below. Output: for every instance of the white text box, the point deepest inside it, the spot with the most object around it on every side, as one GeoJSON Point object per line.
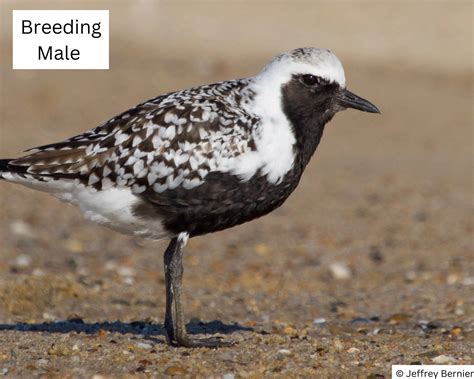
{"type": "Point", "coordinates": [61, 39]}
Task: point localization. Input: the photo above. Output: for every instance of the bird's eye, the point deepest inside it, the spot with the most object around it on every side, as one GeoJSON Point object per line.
{"type": "Point", "coordinates": [310, 80]}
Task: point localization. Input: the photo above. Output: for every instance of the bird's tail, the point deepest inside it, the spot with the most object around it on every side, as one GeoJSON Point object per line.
{"type": "Point", "coordinates": [11, 172]}
{"type": "Point", "coordinates": [4, 167]}
{"type": "Point", "coordinates": [19, 174]}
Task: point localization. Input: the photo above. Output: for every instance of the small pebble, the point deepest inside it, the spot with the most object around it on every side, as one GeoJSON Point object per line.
{"type": "Point", "coordinates": [433, 325]}
{"type": "Point", "coordinates": [319, 321]}
{"type": "Point", "coordinates": [74, 246]}
{"type": "Point", "coordinates": [226, 357]}
{"type": "Point", "coordinates": [126, 271]}
{"type": "Point", "coordinates": [282, 354]}
{"type": "Point", "coordinates": [353, 350]}
{"type": "Point", "coordinates": [176, 370]}
{"type": "Point", "coordinates": [48, 316]}
{"type": "Point", "coordinates": [110, 265]}
{"type": "Point", "coordinates": [23, 260]}
{"type": "Point", "coordinates": [420, 216]}
{"type": "Point", "coordinates": [42, 362]}
{"type": "Point", "coordinates": [38, 272]}
{"type": "Point", "coordinates": [21, 229]}
{"type": "Point", "coordinates": [375, 254]}
{"type": "Point", "coordinates": [338, 344]}
{"type": "Point", "coordinates": [456, 331]}
{"type": "Point", "coordinates": [340, 271]}
{"type": "Point", "coordinates": [289, 330]}
{"type": "Point", "coordinates": [229, 375]}
{"type": "Point", "coordinates": [143, 345]}
{"type": "Point", "coordinates": [262, 249]}
{"type": "Point", "coordinates": [452, 279]}
{"type": "Point", "coordinates": [443, 359]}
{"type": "Point", "coordinates": [410, 276]}
{"type": "Point", "coordinates": [398, 318]}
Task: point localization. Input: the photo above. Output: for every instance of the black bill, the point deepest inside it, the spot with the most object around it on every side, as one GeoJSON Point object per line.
{"type": "Point", "coordinates": [347, 99]}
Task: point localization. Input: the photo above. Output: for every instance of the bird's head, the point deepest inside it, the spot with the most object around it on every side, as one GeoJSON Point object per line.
{"type": "Point", "coordinates": [310, 83]}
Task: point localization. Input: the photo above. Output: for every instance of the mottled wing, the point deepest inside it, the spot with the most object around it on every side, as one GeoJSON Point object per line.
{"type": "Point", "coordinates": [77, 156]}
{"type": "Point", "coordinates": [167, 143]}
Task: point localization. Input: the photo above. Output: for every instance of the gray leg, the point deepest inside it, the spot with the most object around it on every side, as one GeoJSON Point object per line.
{"type": "Point", "coordinates": [174, 317]}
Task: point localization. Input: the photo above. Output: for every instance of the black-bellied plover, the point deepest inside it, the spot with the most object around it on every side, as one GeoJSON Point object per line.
{"type": "Point", "coordinates": [196, 161]}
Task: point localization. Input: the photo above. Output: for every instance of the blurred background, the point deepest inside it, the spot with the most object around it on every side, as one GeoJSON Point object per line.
{"type": "Point", "coordinates": [380, 226]}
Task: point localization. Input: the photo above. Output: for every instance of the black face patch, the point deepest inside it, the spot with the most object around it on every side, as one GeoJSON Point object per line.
{"type": "Point", "coordinates": [309, 104]}
{"type": "Point", "coordinates": [309, 96]}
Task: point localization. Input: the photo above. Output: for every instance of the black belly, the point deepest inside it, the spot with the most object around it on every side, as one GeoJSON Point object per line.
{"type": "Point", "coordinates": [221, 202]}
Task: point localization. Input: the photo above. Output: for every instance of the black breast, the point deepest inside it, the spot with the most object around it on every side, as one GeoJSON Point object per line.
{"type": "Point", "coordinates": [221, 202]}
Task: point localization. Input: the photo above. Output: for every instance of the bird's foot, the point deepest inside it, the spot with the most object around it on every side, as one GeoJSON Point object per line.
{"type": "Point", "coordinates": [211, 342]}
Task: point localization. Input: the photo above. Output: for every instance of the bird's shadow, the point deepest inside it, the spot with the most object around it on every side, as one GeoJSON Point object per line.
{"type": "Point", "coordinates": [146, 329]}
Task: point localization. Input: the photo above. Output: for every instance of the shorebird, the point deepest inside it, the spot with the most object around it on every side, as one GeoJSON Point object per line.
{"type": "Point", "coordinates": [196, 161]}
